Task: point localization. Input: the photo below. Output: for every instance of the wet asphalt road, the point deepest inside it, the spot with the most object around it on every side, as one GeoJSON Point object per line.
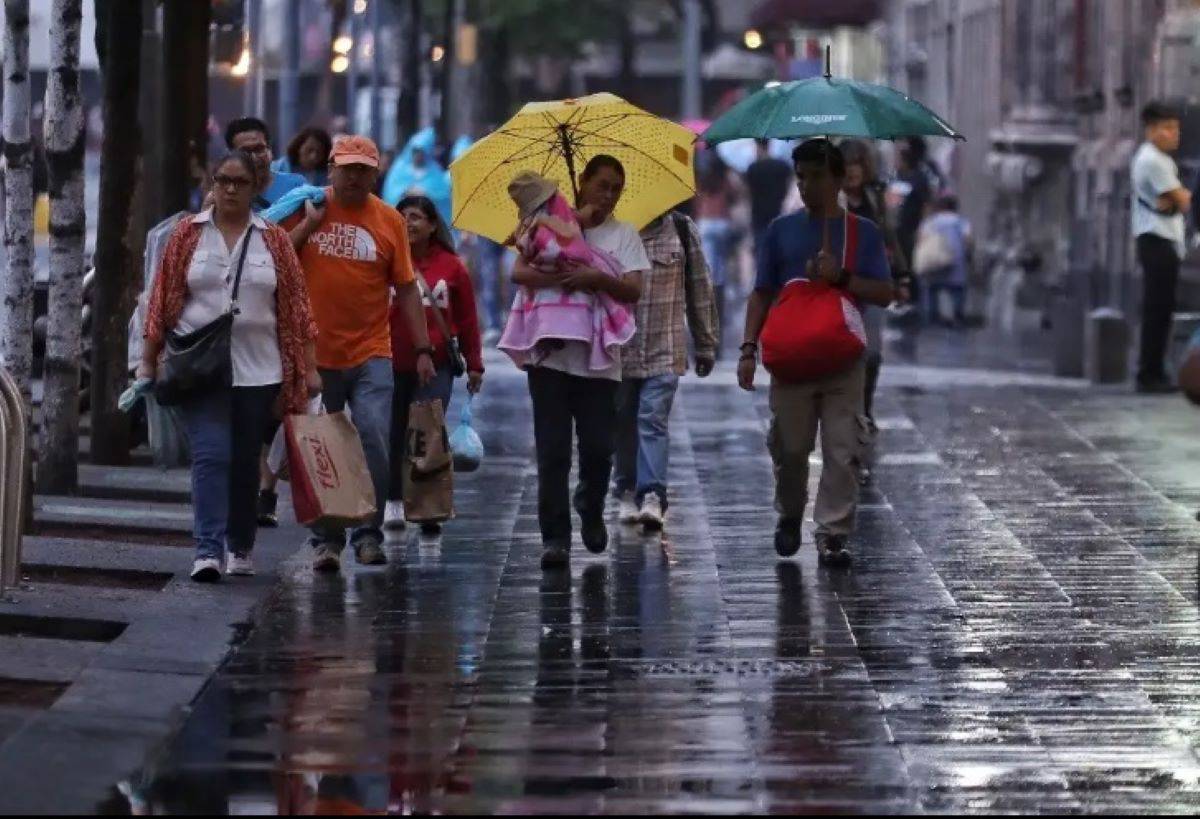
{"type": "Point", "coordinates": [1020, 633]}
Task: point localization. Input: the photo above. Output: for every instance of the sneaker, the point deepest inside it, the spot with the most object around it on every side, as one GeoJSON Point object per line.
{"type": "Point", "coordinates": [327, 560]}
{"type": "Point", "coordinates": [595, 535]}
{"type": "Point", "coordinates": [206, 570]}
{"type": "Point", "coordinates": [628, 511]}
{"type": "Point", "coordinates": [370, 553]}
{"type": "Point", "coordinates": [787, 537]}
{"type": "Point", "coordinates": [393, 515]}
{"type": "Point", "coordinates": [832, 551]}
{"type": "Point", "coordinates": [652, 515]}
{"type": "Point", "coordinates": [555, 556]}
{"type": "Point", "coordinates": [239, 565]}
{"type": "Point", "coordinates": [267, 501]}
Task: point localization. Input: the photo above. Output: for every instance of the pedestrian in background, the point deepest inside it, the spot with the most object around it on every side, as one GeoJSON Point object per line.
{"type": "Point", "coordinates": [946, 225]}
{"type": "Point", "coordinates": [274, 369]}
{"type": "Point", "coordinates": [810, 244]}
{"type": "Point", "coordinates": [718, 193]}
{"type": "Point", "coordinates": [446, 290]}
{"type": "Point", "coordinates": [251, 135]}
{"type": "Point", "coordinates": [1159, 204]}
{"type": "Point", "coordinates": [570, 400]}
{"type": "Point", "coordinates": [307, 155]}
{"type": "Point", "coordinates": [768, 179]}
{"type": "Point", "coordinates": [677, 295]}
{"type": "Point", "coordinates": [354, 251]}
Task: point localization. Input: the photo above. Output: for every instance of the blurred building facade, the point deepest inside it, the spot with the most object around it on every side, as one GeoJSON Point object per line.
{"type": "Point", "coordinates": [1048, 93]}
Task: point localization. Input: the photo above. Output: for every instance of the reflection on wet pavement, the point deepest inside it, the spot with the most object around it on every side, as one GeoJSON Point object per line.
{"type": "Point", "coordinates": [1020, 634]}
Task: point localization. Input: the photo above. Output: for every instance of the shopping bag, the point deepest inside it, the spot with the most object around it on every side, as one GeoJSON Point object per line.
{"type": "Point", "coordinates": [814, 330]}
{"type": "Point", "coordinates": [277, 458]}
{"type": "Point", "coordinates": [331, 485]}
{"type": "Point", "coordinates": [428, 465]}
{"type": "Point", "coordinates": [465, 444]}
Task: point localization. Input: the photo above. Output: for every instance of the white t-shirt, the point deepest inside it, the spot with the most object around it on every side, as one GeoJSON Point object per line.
{"type": "Point", "coordinates": [255, 341]}
{"type": "Point", "coordinates": [620, 240]}
{"type": "Point", "coordinates": [1153, 174]}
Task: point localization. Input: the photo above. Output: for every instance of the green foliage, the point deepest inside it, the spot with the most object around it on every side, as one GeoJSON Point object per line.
{"type": "Point", "coordinates": [557, 28]}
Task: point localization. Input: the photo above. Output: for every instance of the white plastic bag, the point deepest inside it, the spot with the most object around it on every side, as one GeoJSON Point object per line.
{"type": "Point", "coordinates": [465, 444]}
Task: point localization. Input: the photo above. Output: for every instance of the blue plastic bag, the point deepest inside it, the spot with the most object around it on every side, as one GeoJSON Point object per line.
{"type": "Point", "coordinates": [466, 446]}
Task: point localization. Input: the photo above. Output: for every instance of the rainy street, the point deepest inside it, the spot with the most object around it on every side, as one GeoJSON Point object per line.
{"type": "Point", "coordinates": [1018, 633]}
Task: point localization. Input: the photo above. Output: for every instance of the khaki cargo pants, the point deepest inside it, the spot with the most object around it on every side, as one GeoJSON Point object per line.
{"type": "Point", "coordinates": [834, 406]}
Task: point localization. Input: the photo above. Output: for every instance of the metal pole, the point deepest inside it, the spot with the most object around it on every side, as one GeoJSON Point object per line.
{"type": "Point", "coordinates": [14, 472]}
{"type": "Point", "coordinates": [289, 80]}
{"type": "Point", "coordinates": [352, 74]}
{"type": "Point", "coordinates": [253, 28]}
{"type": "Point", "coordinates": [692, 92]}
{"type": "Point", "coordinates": [376, 97]}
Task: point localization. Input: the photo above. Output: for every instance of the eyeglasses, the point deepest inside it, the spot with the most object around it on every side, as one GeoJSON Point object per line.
{"type": "Point", "coordinates": [260, 148]}
{"type": "Point", "coordinates": [235, 182]}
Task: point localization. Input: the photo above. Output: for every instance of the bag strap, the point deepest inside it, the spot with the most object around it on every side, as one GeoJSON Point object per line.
{"type": "Point", "coordinates": [849, 240]}
{"type": "Point", "coordinates": [237, 279]}
{"type": "Point", "coordinates": [685, 239]}
{"type": "Point", "coordinates": [426, 291]}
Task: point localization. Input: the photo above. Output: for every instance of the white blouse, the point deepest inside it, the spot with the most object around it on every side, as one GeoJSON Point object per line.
{"type": "Point", "coordinates": [255, 347]}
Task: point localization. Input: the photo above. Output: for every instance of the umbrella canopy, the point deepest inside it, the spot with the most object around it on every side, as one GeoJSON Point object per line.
{"type": "Point", "coordinates": [557, 139]}
{"type": "Point", "coordinates": [826, 106]}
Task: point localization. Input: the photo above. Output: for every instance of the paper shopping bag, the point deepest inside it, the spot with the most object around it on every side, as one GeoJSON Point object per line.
{"type": "Point", "coordinates": [331, 485]}
{"type": "Point", "coordinates": [428, 465]}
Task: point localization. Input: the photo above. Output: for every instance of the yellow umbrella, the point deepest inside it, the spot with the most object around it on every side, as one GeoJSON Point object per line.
{"type": "Point", "coordinates": [557, 139]}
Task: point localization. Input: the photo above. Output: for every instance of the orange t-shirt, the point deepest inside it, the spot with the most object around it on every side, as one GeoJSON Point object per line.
{"type": "Point", "coordinates": [351, 262]}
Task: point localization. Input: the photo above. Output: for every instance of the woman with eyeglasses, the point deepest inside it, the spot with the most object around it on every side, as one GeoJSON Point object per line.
{"type": "Point", "coordinates": [274, 363]}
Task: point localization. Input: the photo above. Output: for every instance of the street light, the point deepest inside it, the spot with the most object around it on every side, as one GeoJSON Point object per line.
{"type": "Point", "coordinates": [438, 54]}
{"type": "Point", "coordinates": [340, 63]}
{"type": "Point", "coordinates": [753, 39]}
{"type": "Point", "coordinates": [343, 44]}
{"type": "Point", "coordinates": [360, 6]}
{"type": "Point", "coordinates": [242, 67]}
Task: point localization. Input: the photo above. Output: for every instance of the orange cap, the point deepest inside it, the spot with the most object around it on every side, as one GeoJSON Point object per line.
{"type": "Point", "coordinates": [355, 150]}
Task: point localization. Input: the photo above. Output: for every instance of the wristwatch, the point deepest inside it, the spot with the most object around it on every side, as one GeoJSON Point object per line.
{"type": "Point", "coordinates": [425, 351]}
{"type": "Point", "coordinates": [750, 354]}
{"type": "Point", "coordinates": [843, 278]}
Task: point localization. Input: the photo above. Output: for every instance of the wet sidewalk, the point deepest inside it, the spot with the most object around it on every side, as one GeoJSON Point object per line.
{"type": "Point", "coordinates": [1020, 633]}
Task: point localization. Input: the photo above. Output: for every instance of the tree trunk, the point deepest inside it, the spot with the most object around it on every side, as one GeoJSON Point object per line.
{"type": "Point", "coordinates": [116, 274]}
{"type": "Point", "coordinates": [16, 312]}
{"type": "Point", "coordinates": [59, 453]}
{"type": "Point", "coordinates": [184, 108]}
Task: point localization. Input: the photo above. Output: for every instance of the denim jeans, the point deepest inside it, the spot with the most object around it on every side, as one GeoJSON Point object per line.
{"type": "Point", "coordinates": [567, 406]}
{"type": "Point", "coordinates": [225, 431]}
{"type": "Point", "coordinates": [367, 388]}
{"type": "Point", "coordinates": [933, 304]}
{"type": "Point", "coordinates": [493, 262]}
{"type": "Point", "coordinates": [717, 237]}
{"type": "Point", "coordinates": [643, 443]}
{"type": "Point", "coordinates": [408, 390]}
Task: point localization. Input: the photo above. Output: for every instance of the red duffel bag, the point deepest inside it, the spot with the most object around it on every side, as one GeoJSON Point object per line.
{"type": "Point", "coordinates": [815, 330]}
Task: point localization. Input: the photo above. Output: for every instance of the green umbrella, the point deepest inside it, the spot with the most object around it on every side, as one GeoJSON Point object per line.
{"type": "Point", "coordinates": [827, 107]}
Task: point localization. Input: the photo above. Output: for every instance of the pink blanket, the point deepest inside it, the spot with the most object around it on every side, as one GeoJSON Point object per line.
{"type": "Point", "coordinates": [543, 316]}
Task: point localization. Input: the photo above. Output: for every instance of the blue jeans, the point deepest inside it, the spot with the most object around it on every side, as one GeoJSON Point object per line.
{"type": "Point", "coordinates": [367, 388]}
{"type": "Point", "coordinates": [717, 237]}
{"type": "Point", "coordinates": [643, 444]}
{"type": "Point", "coordinates": [225, 431]}
{"type": "Point", "coordinates": [408, 390]}
{"type": "Point", "coordinates": [933, 305]}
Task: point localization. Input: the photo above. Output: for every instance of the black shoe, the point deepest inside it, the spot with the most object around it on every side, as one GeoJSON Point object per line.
{"type": "Point", "coordinates": [1156, 387]}
{"type": "Point", "coordinates": [431, 529]}
{"type": "Point", "coordinates": [832, 551]}
{"type": "Point", "coordinates": [555, 556]}
{"type": "Point", "coordinates": [267, 501]}
{"type": "Point", "coordinates": [595, 535]}
{"type": "Point", "coordinates": [787, 537]}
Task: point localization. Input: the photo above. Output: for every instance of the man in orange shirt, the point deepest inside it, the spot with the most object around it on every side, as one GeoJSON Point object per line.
{"type": "Point", "coordinates": [354, 251]}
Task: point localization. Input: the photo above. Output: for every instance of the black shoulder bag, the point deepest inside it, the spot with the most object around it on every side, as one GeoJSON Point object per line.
{"type": "Point", "coordinates": [201, 361]}
{"type": "Point", "coordinates": [458, 363]}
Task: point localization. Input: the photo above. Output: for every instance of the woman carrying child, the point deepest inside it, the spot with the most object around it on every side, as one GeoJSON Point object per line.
{"type": "Point", "coordinates": [572, 396]}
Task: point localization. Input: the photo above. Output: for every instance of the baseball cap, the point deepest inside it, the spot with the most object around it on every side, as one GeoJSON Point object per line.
{"type": "Point", "coordinates": [355, 150]}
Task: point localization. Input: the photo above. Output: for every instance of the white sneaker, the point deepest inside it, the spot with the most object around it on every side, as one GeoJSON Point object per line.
{"type": "Point", "coordinates": [239, 566]}
{"type": "Point", "coordinates": [207, 570]}
{"type": "Point", "coordinates": [628, 511]}
{"type": "Point", "coordinates": [393, 515]}
{"type": "Point", "coordinates": [652, 515]}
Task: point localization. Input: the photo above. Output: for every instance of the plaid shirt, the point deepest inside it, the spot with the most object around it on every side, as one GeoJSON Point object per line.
{"type": "Point", "coordinates": [672, 290]}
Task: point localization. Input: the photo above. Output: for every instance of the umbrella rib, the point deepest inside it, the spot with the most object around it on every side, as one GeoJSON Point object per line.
{"type": "Point", "coordinates": [513, 157]}
{"type": "Point", "coordinates": [623, 144]}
